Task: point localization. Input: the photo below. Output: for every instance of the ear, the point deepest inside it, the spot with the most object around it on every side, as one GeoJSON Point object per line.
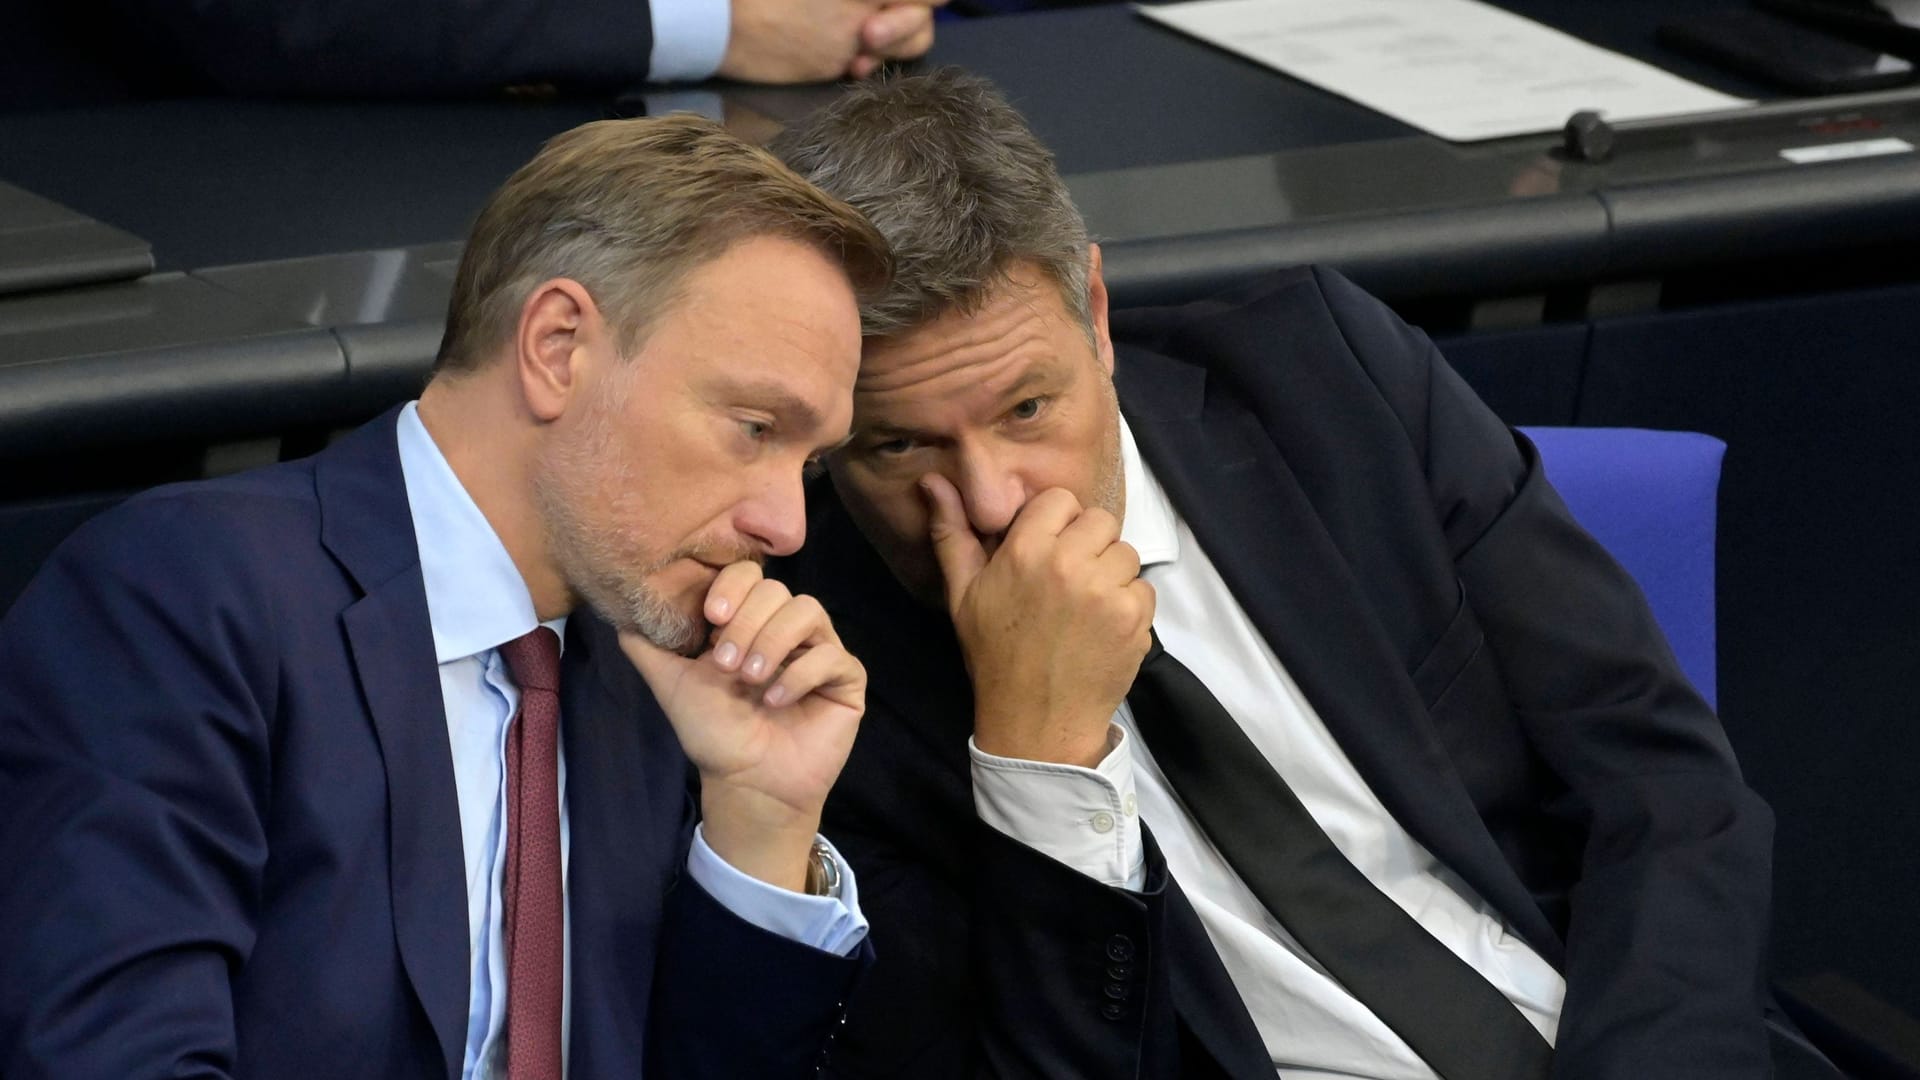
{"type": "Point", "coordinates": [560, 336]}
{"type": "Point", "coordinates": [1097, 309]}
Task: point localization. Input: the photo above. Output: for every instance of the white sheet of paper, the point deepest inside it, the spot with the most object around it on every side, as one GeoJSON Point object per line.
{"type": "Point", "coordinates": [1460, 69]}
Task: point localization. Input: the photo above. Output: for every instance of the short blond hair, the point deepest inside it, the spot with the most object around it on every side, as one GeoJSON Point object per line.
{"type": "Point", "coordinates": [629, 208]}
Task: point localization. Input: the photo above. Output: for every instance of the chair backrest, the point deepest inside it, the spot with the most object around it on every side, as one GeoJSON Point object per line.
{"type": "Point", "coordinates": [1650, 498]}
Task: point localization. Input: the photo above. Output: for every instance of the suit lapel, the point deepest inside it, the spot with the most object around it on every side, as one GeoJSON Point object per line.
{"type": "Point", "coordinates": [1230, 484]}
{"type": "Point", "coordinates": [366, 524]}
{"type": "Point", "coordinates": [629, 821]}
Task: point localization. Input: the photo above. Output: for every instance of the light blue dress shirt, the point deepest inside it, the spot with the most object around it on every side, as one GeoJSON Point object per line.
{"type": "Point", "coordinates": [477, 601]}
{"type": "Point", "coordinates": [689, 39]}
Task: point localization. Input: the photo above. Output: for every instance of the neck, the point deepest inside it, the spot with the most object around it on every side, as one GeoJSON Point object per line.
{"type": "Point", "coordinates": [491, 441]}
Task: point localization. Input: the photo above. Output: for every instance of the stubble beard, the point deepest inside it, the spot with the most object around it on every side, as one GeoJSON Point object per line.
{"type": "Point", "coordinates": [1110, 483]}
{"type": "Point", "coordinates": [606, 569]}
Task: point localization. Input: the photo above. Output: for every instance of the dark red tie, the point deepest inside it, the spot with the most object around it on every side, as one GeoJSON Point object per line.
{"type": "Point", "coordinates": [535, 912]}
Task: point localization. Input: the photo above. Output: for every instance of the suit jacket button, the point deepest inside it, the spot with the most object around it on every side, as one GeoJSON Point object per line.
{"type": "Point", "coordinates": [1120, 948]}
{"type": "Point", "coordinates": [1117, 991]}
{"type": "Point", "coordinates": [1113, 1010]}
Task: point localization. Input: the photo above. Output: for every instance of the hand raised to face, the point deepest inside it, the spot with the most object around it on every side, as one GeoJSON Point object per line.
{"type": "Point", "coordinates": [1053, 624]}
{"type": "Point", "coordinates": [767, 714]}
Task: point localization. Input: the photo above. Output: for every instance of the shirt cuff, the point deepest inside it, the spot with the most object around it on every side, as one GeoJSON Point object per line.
{"type": "Point", "coordinates": [832, 924]}
{"type": "Point", "coordinates": [689, 39]}
{"type": "Point", "coordinates": [1085, 818]}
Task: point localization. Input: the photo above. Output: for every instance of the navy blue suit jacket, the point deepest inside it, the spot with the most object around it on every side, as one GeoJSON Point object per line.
{"type": "Point", "coordinates": [1491, 672]}
{"type": "Point", "coordinates": [230, 831]}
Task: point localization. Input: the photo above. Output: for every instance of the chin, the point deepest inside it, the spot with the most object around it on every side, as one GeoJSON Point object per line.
{"type": "Point", "coordinates": [675, 631]}
{"type": "Point", "coordinates": [677, 625]}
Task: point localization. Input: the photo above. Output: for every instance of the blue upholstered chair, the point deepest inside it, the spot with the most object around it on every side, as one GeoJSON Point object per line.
{"type": "Point", "coordinates": [1649, 498]}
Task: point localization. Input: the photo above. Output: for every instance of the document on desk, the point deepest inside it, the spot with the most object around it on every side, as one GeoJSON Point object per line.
{"type": "Point", "coordinates": [1460, 69]}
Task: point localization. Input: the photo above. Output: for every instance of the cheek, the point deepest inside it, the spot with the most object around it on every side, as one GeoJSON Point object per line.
{"type": "Point", "coordinates": [690, 480]}
{"type": "Point", "coordinates": [1061, 464]}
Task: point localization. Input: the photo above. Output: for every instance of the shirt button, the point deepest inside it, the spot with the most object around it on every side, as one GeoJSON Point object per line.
{"type": "Point", "coordinates": [1103, 822]}
{"type": "Point", "coordinates": [1120, 948]}
{"type": "Point", "coordinates": [1131, 805]}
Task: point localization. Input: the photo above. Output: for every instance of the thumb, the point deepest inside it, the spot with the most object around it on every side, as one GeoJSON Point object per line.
{"type": "Point", "coordinates": [892, 23]}
{"type": "Point", "coordinates": [954, 543]}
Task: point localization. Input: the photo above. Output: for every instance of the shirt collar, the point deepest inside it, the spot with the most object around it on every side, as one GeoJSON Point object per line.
{"type": "Point", "coordinates": [476, 598]}
{"type": "Point", "coordinates": [1150, 525]}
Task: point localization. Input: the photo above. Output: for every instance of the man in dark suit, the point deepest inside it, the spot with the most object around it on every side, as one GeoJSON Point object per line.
{"type": "Point", "coordinates": [297, 777]}
{"type": "Point", "coordinates": [1244, 700]}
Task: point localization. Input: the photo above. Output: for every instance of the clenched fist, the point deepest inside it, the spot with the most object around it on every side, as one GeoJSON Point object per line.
{"type": "Point", "coordinates": [1053, 624]}
{"type": "Point", "coordinates": [795, 41]}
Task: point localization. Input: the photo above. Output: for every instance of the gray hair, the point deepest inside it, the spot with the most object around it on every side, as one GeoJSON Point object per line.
{"type": "Point", "coordinates": [956, 182]}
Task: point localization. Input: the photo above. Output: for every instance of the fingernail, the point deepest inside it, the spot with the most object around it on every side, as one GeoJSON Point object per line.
{"type": "Point", "coordinates": [755, 665]}
{"type": "Point", "coordinates": [727, 654]}
{"type": "Point", "coordinates": [777, 695]}
{"type": "Point", "coordinates": [883, 32]}
{"type": "Point", "coordinates": [721, 606]}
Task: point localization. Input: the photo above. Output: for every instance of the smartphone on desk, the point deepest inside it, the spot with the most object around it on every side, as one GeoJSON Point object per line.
{"type": "Point", "coordinates": [1785, 53]}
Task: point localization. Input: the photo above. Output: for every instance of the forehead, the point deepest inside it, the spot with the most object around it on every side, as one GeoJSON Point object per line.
{"type": "Point", "coordinates": [1021, 327]}
{"type": "Point", "coordinates": [768, 308]}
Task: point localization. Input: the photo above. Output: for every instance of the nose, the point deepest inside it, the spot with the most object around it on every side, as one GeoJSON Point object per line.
{"type": "Point", "coordinates": [991, 489]}
{"type": "Point", "coordinates": [775, 518]}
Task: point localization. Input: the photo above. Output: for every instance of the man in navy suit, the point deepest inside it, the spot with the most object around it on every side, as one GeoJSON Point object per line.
{"type": "Point", "coordinates": [1244, 701]}
{"type": "Point", "coordinates": [327, 769]}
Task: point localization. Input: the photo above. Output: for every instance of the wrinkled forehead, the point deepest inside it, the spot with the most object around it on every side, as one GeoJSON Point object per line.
{"type": "Point", "coordinates": [966, 357]}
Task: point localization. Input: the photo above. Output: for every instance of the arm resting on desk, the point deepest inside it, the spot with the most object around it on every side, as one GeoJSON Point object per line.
{"type": "Point", "coordinates": [391, 48]}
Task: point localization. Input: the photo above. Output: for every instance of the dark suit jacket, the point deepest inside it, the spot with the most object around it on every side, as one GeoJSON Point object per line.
{"type": "Point", "coordinates": [1492, 673]}
{"type": "Point", "coordinates": [230, 831]}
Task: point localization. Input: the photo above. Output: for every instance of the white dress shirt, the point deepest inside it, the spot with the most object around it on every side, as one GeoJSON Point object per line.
{"type": "Point", "coordinates": [477, 601]}
{"type": "Point", "coordinates": [1090, 820]}
{"type": "Point", "coordinates": [689, 39]}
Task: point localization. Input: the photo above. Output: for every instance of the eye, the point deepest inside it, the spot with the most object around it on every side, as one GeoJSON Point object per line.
{"type": "Point", "coordinates": [893, 447]}
{"type": "Point", "coordinates": [755, 429]}
{"type": "Point", "coordinates": [1028, 409]}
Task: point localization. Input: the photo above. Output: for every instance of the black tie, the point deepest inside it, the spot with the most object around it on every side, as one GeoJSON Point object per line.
{"type": "Point", "coordinates": [1457, 1022]}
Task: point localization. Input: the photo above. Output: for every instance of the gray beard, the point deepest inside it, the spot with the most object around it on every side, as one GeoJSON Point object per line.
{"type": "Point", "coordinates": [590, 565]}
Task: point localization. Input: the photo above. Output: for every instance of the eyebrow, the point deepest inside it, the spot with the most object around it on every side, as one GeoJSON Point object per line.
{"type": "Point", "coordinates": [886, 431]}
{"type": "Point", "coordinates": [777, 399]}
{"type": "Point", "coordinates": [1038, 373]}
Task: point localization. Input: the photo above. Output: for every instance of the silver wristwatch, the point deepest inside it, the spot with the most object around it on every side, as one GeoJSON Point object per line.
{"type": "Point", "coordinates": [823, 871]}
